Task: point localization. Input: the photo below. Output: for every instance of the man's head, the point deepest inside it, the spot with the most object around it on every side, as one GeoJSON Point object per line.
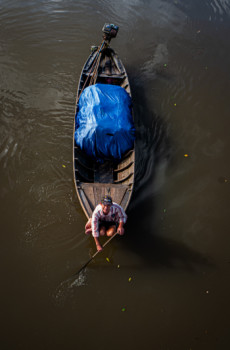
{"type": "Point", "coordinates": [106, 203]}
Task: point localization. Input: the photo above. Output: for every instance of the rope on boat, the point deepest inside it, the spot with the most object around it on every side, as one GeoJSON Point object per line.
{"type": "Point", "coordinates": [95, 73]}
{"type": "Point", "coordinates": [93, 70]}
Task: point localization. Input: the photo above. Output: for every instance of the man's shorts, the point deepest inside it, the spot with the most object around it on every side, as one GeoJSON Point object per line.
{"type": "Point", "coordinates": [108, 224]}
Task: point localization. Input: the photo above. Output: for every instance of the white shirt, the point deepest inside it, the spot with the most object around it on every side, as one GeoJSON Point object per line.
{"type": "Point", "coordinates": [116, 214]}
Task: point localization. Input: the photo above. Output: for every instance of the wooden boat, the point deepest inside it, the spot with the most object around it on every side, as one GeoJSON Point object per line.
{"type": "Point", "coordinates": [93, 180]}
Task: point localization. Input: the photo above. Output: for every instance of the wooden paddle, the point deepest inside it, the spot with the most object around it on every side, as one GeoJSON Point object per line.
{"type": "Point", "coordinates": [87, 263]}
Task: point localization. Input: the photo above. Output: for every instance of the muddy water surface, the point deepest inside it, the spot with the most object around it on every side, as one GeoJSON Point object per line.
{"type": "Point", "coordinates": [166, 284]}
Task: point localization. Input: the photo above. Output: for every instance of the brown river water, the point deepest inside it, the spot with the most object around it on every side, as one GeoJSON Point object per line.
{"type": "Point", "coordinates": [165, 284]}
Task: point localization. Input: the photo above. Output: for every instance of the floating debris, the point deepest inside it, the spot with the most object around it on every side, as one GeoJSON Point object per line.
{"type": "Point", "coordinates": [107, 259]}
{"type": "Point", "coordinates": [63, 166]}
{"type": "Point", "coordinates": [118, 266]}
{"type": "Point", "coordinates": [207, 292]}
{"type": "Point", "coordinates": [165, 65]}
{"type": "Point", "coordinates": [198, 32]}
{"type": "Point", "coordinates": [186, 155]}
{"type": "Point", "coordinates": [123, 309]}
{"type": "Point", "coordinates": [174, 104]}
{"type": "Point", "coordinates": [223, 179]}
{"type": "Point", "coordinates": [165, 210]}
{"type": "Point", "coordinates": [130, 279]}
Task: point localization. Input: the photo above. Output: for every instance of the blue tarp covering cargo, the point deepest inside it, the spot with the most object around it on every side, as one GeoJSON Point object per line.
{"type": "Point", "coordinates": [104, 124]}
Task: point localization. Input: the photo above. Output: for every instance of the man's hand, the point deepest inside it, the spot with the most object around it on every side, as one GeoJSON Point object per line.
{"type": "Point", "coordinates": [98, 244]}
{"type": "Point", "coordinates": [99, 247]}
{"type": "Point", "coordinates": [120, 230]}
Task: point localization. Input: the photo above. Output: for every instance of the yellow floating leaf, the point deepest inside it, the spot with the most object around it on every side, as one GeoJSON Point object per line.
{"type": "Point", "coordinates": [130, 279]}
{"type": "Point", "coordinates": [185, 155]}
{"type": "Point", "coordinates": [63, 166]}
{"type": "Point", "coordinates": [175, 104]}
{"type": "Point", "coordinates": [107, 259]}
{"type": "Point", "coordinates": [118, 266]}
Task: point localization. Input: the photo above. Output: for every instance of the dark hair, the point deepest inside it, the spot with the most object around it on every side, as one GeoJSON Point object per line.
{"type": "Point", "coordinates": [106, 200]}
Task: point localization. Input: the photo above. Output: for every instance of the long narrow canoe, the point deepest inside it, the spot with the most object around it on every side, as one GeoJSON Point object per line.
{"type": "Point", "coordinates": [92, 179]}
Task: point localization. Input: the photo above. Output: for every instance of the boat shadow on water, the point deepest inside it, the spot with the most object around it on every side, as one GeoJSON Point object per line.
{"type": "Point", "coordinates": [153, 155]}
{"type": "Point", "coordinates": [159, 251]}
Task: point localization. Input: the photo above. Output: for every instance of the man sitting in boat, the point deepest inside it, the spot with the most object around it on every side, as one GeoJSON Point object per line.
{"type": "Point", "coordinates": [107, 218]}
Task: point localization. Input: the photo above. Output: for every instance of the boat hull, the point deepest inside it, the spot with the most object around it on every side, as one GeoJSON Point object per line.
{"type": "Point", "coordinates": [92, 179]}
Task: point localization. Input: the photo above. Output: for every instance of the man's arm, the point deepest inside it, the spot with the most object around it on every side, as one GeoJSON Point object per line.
{"type": "Point", "coordinates": [98, 244]}
{"type": "Point", "coordinates": [122, 219]}
{"type": "Point", "coordinates": [95, 229]}
{"type": "Point", "coordinates": [120, 229]}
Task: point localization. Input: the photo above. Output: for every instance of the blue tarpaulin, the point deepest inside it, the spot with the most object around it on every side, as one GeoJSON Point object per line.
{"type": "Point", "coordinates": [104, 123]}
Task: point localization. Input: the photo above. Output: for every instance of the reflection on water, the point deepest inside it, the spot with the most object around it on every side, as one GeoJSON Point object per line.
{"type": "Point", "coordinates": [169, 272]}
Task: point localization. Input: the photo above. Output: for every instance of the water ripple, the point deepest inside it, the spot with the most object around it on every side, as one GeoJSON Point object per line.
{"type": "Point", "coordinates": [211, 10]}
